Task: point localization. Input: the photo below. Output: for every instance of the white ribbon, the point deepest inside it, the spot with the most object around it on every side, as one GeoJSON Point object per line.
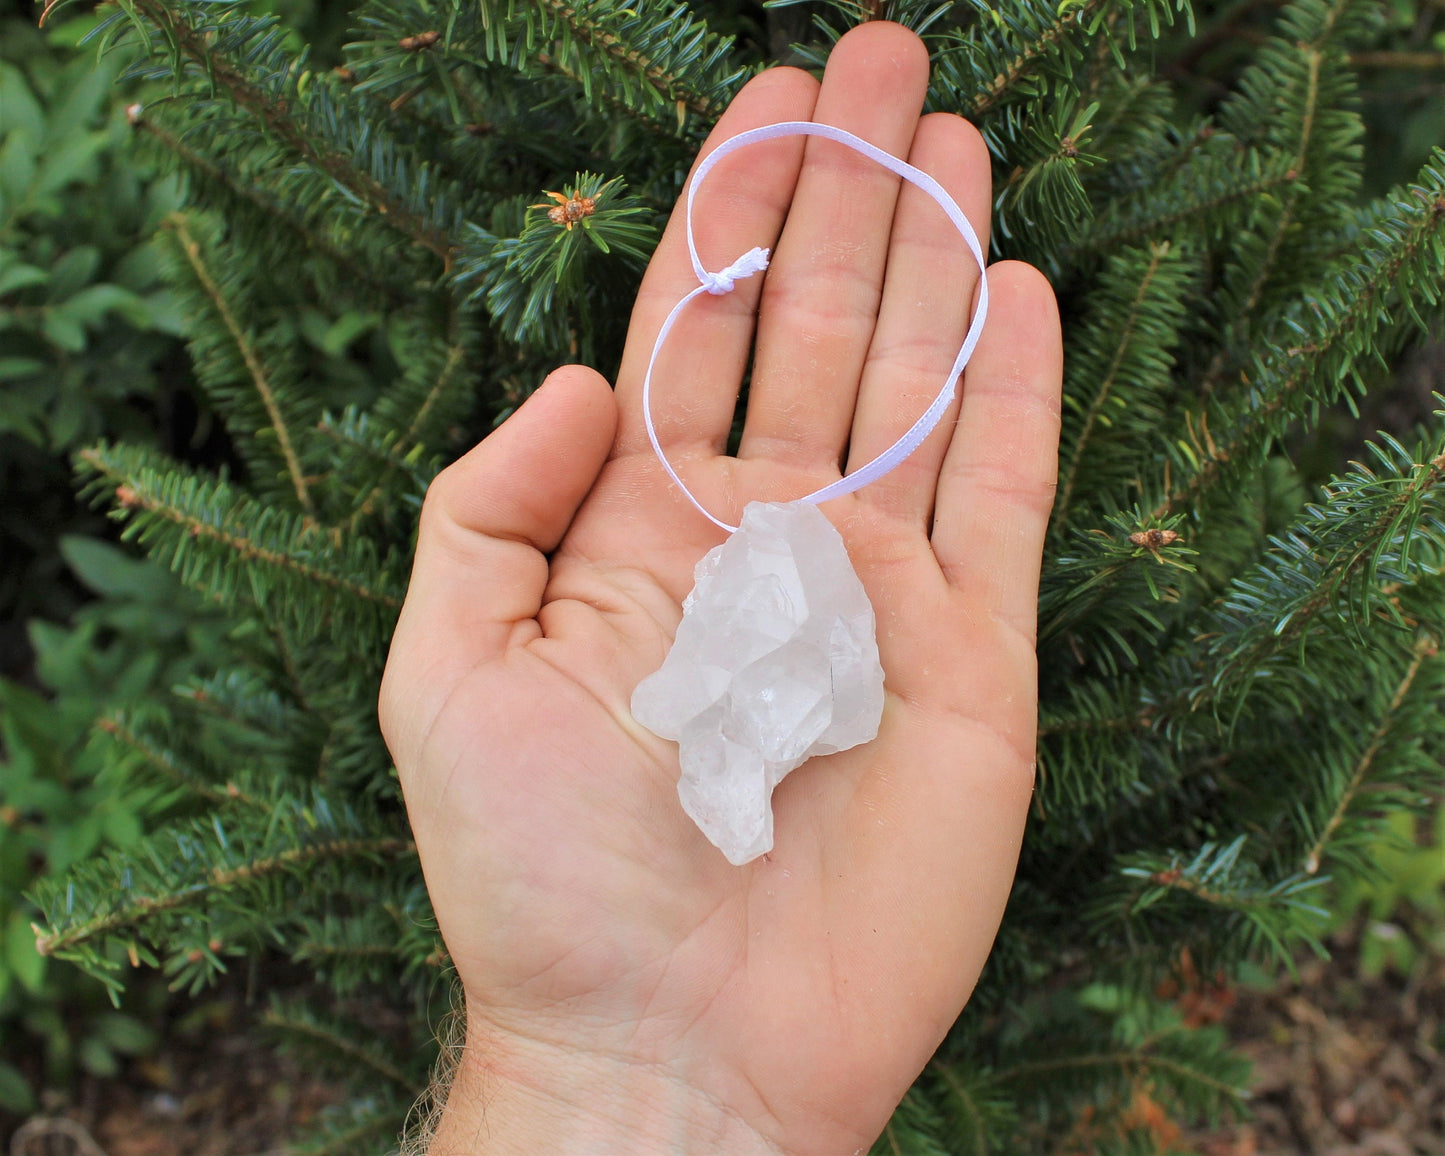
{"type": "Point", "coordinates": [756, 260]}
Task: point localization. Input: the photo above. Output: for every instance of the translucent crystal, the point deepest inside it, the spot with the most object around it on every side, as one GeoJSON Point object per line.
{"type": "Point", "coordinates": [774, 661]}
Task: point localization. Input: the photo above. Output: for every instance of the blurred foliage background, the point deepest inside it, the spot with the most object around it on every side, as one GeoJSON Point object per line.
{"type": "Point", "coordinates": [91, 347]}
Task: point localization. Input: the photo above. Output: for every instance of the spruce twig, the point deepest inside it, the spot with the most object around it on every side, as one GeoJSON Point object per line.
{"type": "Point", "coordinates": [1295, 367]}
{"type": "Point", "coordinates": [588, 31]}
{"type": "Point", "coordinates": [176, 222]}
{"type": "Point", "coordinates": [138, 496]}
{"type": "Point", "coordinates": [455, 359]}
{"type": "Point", "coordinates": [309, 1028]}
{"type": "Point", "coordinates": [164, 765]}
{"type": "Point", "coordinates": [278, 120]}
{"type": "Point", "coordinates": [1137, 1061]}
{"type": "Point", "coordinates": [1284, 222]}
{"type": "Point", "coordinates": [1426, 648]}
{"type": "Point", "coordinates": [1070, 473]}
{"type": "Point", "coordinates": [142, 908]}
{"type": "Point", "coordinates": [1028, 56]}
{"type": "Point", "coordinates": [315, 239]}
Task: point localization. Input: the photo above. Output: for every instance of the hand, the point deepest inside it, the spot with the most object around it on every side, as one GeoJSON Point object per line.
{"type": "Point", "coordinates": [626, 989]}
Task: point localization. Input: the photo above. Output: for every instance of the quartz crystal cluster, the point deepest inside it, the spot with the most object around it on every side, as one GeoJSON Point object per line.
{"type": "Point", "coordinates": [775, 661]}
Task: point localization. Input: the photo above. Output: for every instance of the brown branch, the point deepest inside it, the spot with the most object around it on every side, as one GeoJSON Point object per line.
{"type": "Point", "coordinates": [1424, 61]}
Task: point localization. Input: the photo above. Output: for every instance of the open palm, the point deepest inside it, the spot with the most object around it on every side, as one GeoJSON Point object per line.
{"type": "Point", "coordinates": [595, 930]}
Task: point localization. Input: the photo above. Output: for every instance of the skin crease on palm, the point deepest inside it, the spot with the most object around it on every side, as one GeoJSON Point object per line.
{"type": "Point", "coordinates": [627, 990]}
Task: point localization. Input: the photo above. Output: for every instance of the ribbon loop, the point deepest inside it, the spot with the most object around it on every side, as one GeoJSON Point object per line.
{"type": "Point", "coordinates": [756, 260]}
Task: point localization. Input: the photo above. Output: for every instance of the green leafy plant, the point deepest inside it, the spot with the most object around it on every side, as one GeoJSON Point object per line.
{"type": "Point", "coordinates": [1239, 668]}
{"type": "Point", "coordinates": [86, 328]}
{"type": "Point", "coordinates": [1397, 909]}
{"type": "Point", "coordinates": [62, 798]}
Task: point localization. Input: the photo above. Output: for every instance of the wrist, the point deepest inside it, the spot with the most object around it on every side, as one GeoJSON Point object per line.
{"type": "Point", "coordinates": [514, 1096]}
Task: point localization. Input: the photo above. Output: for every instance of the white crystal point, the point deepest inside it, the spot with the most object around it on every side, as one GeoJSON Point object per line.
{"type": "Point", "coordinates": [774, 661]}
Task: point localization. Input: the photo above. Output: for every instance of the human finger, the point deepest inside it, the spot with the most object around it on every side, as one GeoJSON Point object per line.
{"type": "Point", "coordinates": [928, 301]}
{"type": "Point", "coordinates": [742, 205]}
{"type": "Point", "coordinates": [820, 299]}
{"type": "Point", "coordinates": [996, 486]}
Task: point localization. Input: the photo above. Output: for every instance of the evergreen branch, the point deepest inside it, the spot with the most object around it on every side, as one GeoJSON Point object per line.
{"type": "Point", "coordinates": [1075, 451]}
{"type": "Point", "coordinates": [220, 178]}
{"type": "Point", "coordinates": [137, 911]}
{"type": "Point", "coordinates": [192, 43]}
{"type": "Point", "coordinates": [1286, 217]}
{"type": "Point", "coordinates": [1195, 196]}
{"type": "Point", "coordinates": [533, 284]}
{"type": "Point", "coordinates": [660, 60]}
{"type": "Point", "coordinates": [1330, 326]}
{"type": "Point", "coordinates": [913, 1130]}
{"type": "Point", "coordinates": [1135, 1062]}
{"type": "Point", "coordinates": [245, 701]}
{"type": "Point", "coordinates": [591, 32]}
{"type": "Point", "coordinates": [166, 766]}
{"type": "Point", "coordinates": [193, 508]}
{"type": "Point", "coordinates": [1427, 647]}
{"type": "Point", "coordinates": [972, 1108]}
{"type": "Point", "coordinates": [962, 1095]}
{"type": "Point", "coordinates": [555, 67]}
{"type": "Point", "coordinates": [322, 951]}
{"type": "Point", "coordinates": [1212, 902]}
{"type": "Point", "coordinates": [387, 926]}
{"type": "Point", "coordinates": [1368, 523]}
{"type": "Point", "coordinates": [1029, 55]}
{"type": "Point", "coordinates": [1132, 721]}
{"type": "Point", "coordinates": [308, 1027]}
{"type": "Point", "coordinates": [444, 378]}
{"type": "Point", "coordinates": [259, 377]}
{"type": "Point", "coordinates": [1131, 740]}
{"type": "Point", "coordinates": [1428, 61]}
{"type": "Point", "coordinates": [370, 461]}
{"type": "Point", "coordinates": [1357, 555]}
{"type": "Point", "coordinates": [395, 453]}
{"type": "Point", "coordinates": [372, 1128]}
{"type": "Point", "coordinates": [1028, 47]}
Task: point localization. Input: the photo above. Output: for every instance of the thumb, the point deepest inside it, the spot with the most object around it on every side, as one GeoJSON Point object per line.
{"type": "Point", "coordinates": [488, 522]}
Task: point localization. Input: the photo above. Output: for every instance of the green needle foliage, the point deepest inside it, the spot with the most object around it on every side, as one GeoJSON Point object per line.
{"type": "Point", "coordinates": [1239, 663]}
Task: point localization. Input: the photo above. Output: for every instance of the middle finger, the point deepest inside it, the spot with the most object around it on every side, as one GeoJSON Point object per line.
{"type": "Point", "coordinates": [821, 295]}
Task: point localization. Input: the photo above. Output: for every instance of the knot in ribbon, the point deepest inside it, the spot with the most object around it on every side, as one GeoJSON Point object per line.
{"type": "Point", "coordinates": [755, 260]}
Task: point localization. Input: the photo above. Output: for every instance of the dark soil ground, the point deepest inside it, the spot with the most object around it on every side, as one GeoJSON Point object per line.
{"type": "Point", "coordinates": [1345, 1065]}
{"type": "Point", "coordinates": [215, 1087]}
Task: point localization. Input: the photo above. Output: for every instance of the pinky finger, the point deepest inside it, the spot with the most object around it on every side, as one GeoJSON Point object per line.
{"type": "Point", "coordinates": [996, 487]}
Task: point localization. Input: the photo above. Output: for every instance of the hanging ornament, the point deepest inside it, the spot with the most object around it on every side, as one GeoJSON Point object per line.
{"type": "Point", "coordinates": [775, 659]}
